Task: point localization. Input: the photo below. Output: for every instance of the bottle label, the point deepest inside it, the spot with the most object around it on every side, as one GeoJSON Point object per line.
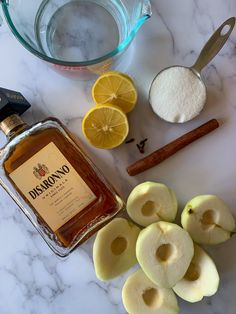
{"type": "Point", "coordinates": [52, 186]}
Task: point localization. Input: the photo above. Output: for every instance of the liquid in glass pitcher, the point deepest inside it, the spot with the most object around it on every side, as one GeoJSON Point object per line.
{"type": "Point", "coordinates": [86, 36]}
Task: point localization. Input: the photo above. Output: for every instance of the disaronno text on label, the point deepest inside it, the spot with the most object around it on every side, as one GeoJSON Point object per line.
{"type": "Point", "coordinates": [49, 182]}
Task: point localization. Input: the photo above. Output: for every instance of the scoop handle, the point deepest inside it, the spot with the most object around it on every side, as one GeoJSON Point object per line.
{"type": "Point", "coordinates": [214, 45]}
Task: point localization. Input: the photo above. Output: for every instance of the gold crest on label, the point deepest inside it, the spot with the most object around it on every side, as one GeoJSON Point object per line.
{"type": "Point", "coordinates": [40, 171]}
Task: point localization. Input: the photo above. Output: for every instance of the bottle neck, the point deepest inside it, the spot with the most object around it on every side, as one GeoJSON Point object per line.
{"type": "Point", "coordinates": [12, 126]}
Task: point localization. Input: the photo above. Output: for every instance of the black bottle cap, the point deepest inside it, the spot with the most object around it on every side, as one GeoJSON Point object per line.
{"type": "Point", "coordinates": [12, 102]}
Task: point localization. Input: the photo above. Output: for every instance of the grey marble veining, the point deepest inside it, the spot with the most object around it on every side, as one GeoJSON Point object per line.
{"type": "Point", "coordinates": [32, 279]}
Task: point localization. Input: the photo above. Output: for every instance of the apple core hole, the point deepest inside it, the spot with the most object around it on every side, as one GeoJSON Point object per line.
{"type": "Point", "coordinates": [119, 245]}
{"type": "Point", "coordinates": [151, 297]}
{"type": "Point", "coordinates": [164, 252]}
{"type": "Point", "coordinates": [148, 208]}
{"type": "Point", "coordinates": [193, 272]}
{"type": "Point", "coordinates": [208, 219]}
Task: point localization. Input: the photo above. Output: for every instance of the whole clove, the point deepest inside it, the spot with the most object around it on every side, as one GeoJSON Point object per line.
{"type": "Point", "coordinates": [141, 146]}
{"type": "Point", "coordinates": [130, 141]}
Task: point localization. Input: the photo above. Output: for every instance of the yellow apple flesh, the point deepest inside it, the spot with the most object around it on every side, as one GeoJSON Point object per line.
{"type": "Point", "coordinates": [164, 251]}
{"type": "Point", "coordinates": [208, 220]}
{"type": "Point", "coordinates": [150, 202]}
{"type": "Point", "coordinates": [141, 296]}
{"type": "Point", "coordinates": [114, 248]}
{"type": "Point", "coordinates": [201, 279]}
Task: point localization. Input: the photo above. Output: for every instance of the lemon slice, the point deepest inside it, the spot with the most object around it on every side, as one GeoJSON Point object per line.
{"type": "Point", "coordinates": [119, 73]}
{"type": "Point", "coordinates": [117, 89]}
{"type": "Point", "coordinates": [105, 126]}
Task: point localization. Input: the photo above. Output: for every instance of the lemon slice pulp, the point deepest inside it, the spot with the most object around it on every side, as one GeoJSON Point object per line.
{"type": "Point", "coordinates": [105, 126]}
{"type": "Point", "coordinates": [117, 89]}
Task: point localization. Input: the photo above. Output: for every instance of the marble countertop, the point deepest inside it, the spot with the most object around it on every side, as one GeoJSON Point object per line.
{"type": "Point", "coordinates": [32, 279]}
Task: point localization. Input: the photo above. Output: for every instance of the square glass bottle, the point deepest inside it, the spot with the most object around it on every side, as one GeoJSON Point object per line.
{"type": "Point", "coordinates": [50, 178]}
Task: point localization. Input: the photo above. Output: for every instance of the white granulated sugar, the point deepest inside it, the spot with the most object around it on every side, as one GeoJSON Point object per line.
{"type": "Point", "coordinates": [177, 94]}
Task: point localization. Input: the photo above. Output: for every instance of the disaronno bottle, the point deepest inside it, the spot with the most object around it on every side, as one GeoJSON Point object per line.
{"type": "Point", "coordinates": [50, 178]}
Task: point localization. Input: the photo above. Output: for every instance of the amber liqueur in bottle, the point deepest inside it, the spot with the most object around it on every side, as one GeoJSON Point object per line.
{"type": "Point", "coordinates": [50, 178]}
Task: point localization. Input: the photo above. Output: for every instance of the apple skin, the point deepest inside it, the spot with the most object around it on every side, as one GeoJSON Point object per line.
{"type": "Point", "coordinates": [164, 251]}
{"type": "Point", "coordinates": [141, 296]}
{"type": "Point", "coordinates": [150, 202]}
{"type": "Point", "coordinates": [208, 220]}
{"type": "Point", "coordinates": [114, 248]}
{"type": "Point", "coordinates": [202, 278]}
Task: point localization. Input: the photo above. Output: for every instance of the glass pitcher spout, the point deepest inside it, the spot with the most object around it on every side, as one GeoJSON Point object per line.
{"type": "Point", "coordinates": [141, 11]}
{"type": "Point", "coordinates": [147, 9]}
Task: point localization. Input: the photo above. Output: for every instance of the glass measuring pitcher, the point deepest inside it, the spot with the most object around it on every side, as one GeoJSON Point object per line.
{"type": "Point", "coordinates": [86, 36]}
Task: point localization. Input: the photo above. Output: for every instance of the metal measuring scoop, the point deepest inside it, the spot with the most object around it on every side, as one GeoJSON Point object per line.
{"type": "Point", "coordinates": [210, 50]}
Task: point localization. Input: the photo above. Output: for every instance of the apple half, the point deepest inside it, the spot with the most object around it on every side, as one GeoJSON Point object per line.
{"type": "Point", "coordinates": [114, 248]}
{"type": "Point", "coordinates": [164, 251]}
{"type": "Point", "coordinates": [141, 296]}
{"type": "Point", "coordinates": [201, 279]}
{"type": "Point", "coordinates": [208, 220]}
{"type": "Point", "coordinates": [150, 202]}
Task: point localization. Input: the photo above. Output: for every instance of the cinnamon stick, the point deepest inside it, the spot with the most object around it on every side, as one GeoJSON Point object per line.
{"type": "Point", "coordinates": [170, 149]}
